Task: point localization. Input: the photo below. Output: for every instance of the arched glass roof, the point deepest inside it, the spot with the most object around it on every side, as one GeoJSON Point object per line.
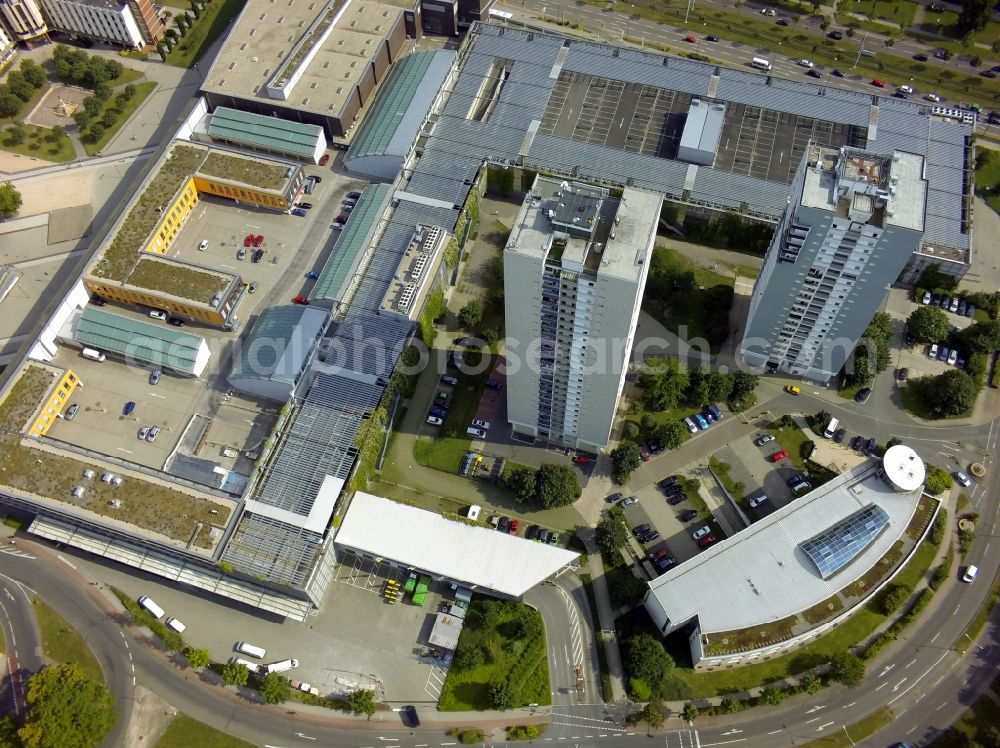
{"type": "Point", "coordinates": [838, 545]}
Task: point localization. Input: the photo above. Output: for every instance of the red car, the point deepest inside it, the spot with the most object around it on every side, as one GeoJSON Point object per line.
{"type": "Point", "coordinates": [341, 218]}
{"type": "Point", "coordinates": [325, 159]}
{"type": "Point", "coordinates": [707, 541]}
{"type": "Point", "coordinates": [777, 456]}
{"type": "Point", "coordinates": [878, 84]}
{"type": "Point", "coordinates": [248, 242]}
{"type": "Point", "coordinates": [690, 39]}
{"type": "Point", "coordinates": [513, 527]}
{"type": "Point", "coordinates": [301, 300]}
{"type": "Point", "coordinates": [581, 460]}
{"type": "Point", "coordinates": [258, 240]}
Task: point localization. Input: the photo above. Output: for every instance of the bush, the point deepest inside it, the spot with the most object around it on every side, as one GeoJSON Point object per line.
{"type": "Point", "coordinates": [892, 598]}
{"type": "Point", "coordinates": [468, 737]}
{"type": "Point", "coordinates": [503, 695]}
{"type": "Point", "coordinates": [937, 481]}
{"type": "Point", "coordinates": [630, 430]}
{"type": "Point", "coordinates": [847, 668]}
{"type": "Point", "coordinates": [275, 688]}
{"type": "Point", "coordinates": [235, 674]}
{"type": "Point", "coordinates": [690, 713]}
{"type": "Point", "coordinates": [806, 449]}
{"type": "Point", "coordinates": [522, 732]}
{"type": "Point", "coordinates": [771, 695]}
{"type": "Point", "coordinates": [469, 658]}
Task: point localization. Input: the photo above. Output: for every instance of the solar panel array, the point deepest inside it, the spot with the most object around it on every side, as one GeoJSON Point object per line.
{"type": "Point", "coordinates": [838, 545]}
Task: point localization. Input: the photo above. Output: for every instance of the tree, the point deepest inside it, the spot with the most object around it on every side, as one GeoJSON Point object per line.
{"type": "Point", "coordinates": [57, 133]}
{"type": "Point", "coordinates": [91, 106]}
{"type": "Point", "coordinates": [67, 709]}
{"type": "Point", "coordinates": [927, 324]}
{"type": "Point", "coordinates": [19, 86]}
{"type": "Point", "coordinates": [744, 385]}
{"type": "Point", "coordinates": [521, 482]}
{"type": "Point", "coordinates": [503, 696]}
{"type": "Point", "coordinates": [812, 684]}
{"type": "Point", "coordinates": [981, 337]}
{"type": "Point", "coordinates": [952, 393]}
{"type": "Point", "coordinates": [625, 458]}
{"type": "Point", "coordinates": [630, 430]}
{"type": "Point", "coordinates": [197, 658]}
{"type": "Point", "coordinates": [489, 336]}
{"type": "Point", "coordinates": [690, 713]}
{"type": "Point", "coordinates": [362, 702]}
{"type": "Point", "coordinates": [892, 598]}
{"type": "Point", "coordinates": [847, 668]}
{"type": "Point", "coordinates": [652, 714]}
{"type": "Point", "coordinates": [664, 384]}
{"type": "Point", "coordinates": [10, 200]}
{"type": "Point", "coordinates": [275, 688]}
{"type": "Point", "coordinates": [9, 103]}
{"type": "Point", "coordinates": [235, 674]}
{"type": "Point", "coordinates": [469, 658]}
{"type": "Point", "coordinates": [822, 420]}
{"type": "Point", "coordinates": [648, 424]}
{"type": "Point", "coordinates": [16, 135]}
{"type": "Point", "coordinates": [673, 434]}
{"type": "Point", "coordinates": [33, 73]}
{"type": "Point", "coordinates": [81, 118]}
{"type": "Point", "coordinates": [110, 117]}
{"type": "Point", "coordinates": [974, 16]}
{"type": "Point", "coordinates": [937, 480]}
{"type": "Point", "coordinates": [557, 485]}
{"type": "Point", "coordinates": [771, 695]}
{"type": "Point", "coordinates": [647, 660]}
{"type": "Point", "coordinates": [129, 91]}
{"type": "Point", "coordinates": [933, 279]}
{"type": "Point", "coordinates": [612, 534]}
{"type": "Point", "coordinates": [95, 132]}
{"type": "Point", "coordinates": [470, 315]}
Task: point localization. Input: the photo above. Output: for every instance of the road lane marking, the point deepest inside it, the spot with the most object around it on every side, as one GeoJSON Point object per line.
{"type": "Point", "coordinates": [848, 706]}
{"type": "Point", "coordinates": [910, 663]}
{"type": "Point", "coordinates": [61, 558]}
{"type": "Point", "coordinates": [935, 637]}
{"type": "Point", "coordinates": [896, 687]}
{"type": "Point", "coordinates": [823, 727]}
{"type": "Point", "coordinates": [814, 719]}
{"type": "Point", "coordinates": [816, 708]}
{"type": "Point", "coordinates": [882, 686]}
{"type": "Point", "coordinates": [936, 663]}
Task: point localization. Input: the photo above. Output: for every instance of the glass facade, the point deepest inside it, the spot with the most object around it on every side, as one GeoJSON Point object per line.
{"type": "Point", "coordinates": [837, 546]}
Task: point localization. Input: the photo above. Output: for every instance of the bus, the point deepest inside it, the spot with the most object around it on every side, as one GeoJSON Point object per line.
{"type": "Point", "coordinates": [761, 62]}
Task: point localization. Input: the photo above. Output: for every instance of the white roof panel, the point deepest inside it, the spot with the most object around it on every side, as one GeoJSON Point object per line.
{"type": "Point", "coordinates": [476, 556]}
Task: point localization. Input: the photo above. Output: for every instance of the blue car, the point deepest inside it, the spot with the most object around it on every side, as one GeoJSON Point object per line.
{"type": "Point", "coordinates": [439, 412]}
{"type": "Point", "coordinates": [129, 407]}
{"type": "Point", "coordinates": [700, 420]}
{"type": "Point", "coordinates": [312, 275]}
{"type": "Point", "coordinates": [298, 212]}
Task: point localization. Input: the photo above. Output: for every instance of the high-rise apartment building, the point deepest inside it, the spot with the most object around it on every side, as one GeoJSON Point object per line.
{"type": "Point", "coordinates": [24, 20]}
{"type": "Point", "coordinates": [574, 270]}
{"type": "Point", "coordinates": [7, 45]}
{"type": "Point", "coordinates": [853, 221]}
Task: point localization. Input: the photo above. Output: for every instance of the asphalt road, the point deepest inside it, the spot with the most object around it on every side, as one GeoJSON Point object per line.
{"type": "Point", "coordinates": [23, 644]}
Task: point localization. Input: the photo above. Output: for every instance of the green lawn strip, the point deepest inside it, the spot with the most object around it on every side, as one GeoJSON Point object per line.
{"type": "Point", "coordinates": [602, 656]}
{"type": "Point", "coordinates": [37, 144]}
{"type": "Point", "coordinates": [987, 169]}
{"type": "Point", "coordinates": [849, 736]}
{"type": "Point", "coordinates": [901, 13]}
{"type": "Point", "coordinates": [752, 637]}
{"type": "Point", "coordinates": [983, 714]}
{"type": "Point", "coordinates": [850, 390]}
{"type": "Point", "coordinates": [760, 34]}
{"type": "Point", "coordinates": [28, 106]}
{"type": "Point", "coordinates": [857, 628]}
{"type": "Point", "coordinates": [823, 610]}
{"type": "Point", "coordinates": [184, 732]}
{"type": "Point", "coordinates": [142, 90]}
{"type": "Point", "coordinates": [142, 617]}
{"type": "Point", "coordinates": [62, 643]}
{"type": "Point", "coordinates": [744, 271]}
{"type": "Point", "coordinates": [507, 655]}
{"type": "Point", "coordinates": [214, 20]}
{"type": "Point", "coordinates": [447, 445]}
{"type": "Point", "coordinates": [721, 469]}
{"type": "Point", "coordinates": [791, 439]}
{"type": "Point", "coordinates": [129, 75]}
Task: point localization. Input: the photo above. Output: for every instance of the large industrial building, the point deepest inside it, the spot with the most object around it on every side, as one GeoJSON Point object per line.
{"type": "Point", "coordinates": [575, 267]}
{"type": "Point", "coordinates": [854, 220]}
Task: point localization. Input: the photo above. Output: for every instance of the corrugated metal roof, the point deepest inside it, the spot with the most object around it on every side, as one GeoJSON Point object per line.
{"type": "Point", "coordinates": [272, 133]}
{"type": "Point", "coordinates": [279, 344]}
{"type": "Point", "coordinates": [367, 343]}
{"type": "Point", "coordinates": [135, 339]}
{"type": "Point", "coordinates": [351, 244]}
{"type": "Point", "coordinates": [402, 103]}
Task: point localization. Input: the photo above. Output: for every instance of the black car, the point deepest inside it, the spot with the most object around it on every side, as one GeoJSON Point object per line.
{"type": "Point", "coordinates": [711, 38]}
{"type": "Point", "coordinates": [255, 257]}
{"type": "Point", "coordinates": [676, 498]}
{"type": "Point", "coordinates": [409, 716]}
{"type": "Point", "coordinates": [532, 532]}
{"type": "Point", "coordinates": [902, 374]}
{"type": "Point", "coordinates": [674, 489]}
{"type": "Point", "coordinates": [687, 515]}
{"type": "Point", "coordinates": [665, 563]}
{"type": "Point", "coordinates": [836, 73]}
{"type": "Point", "coordinates": [858, 443]}
{"type": "Point", "coordinates": [641, 530]}
{"type": "Point", "coordinates": [970, 310]}
{"type": "Point", "coordinates": [543, 536]}
{"type": "Point", "coordinates": [909, 339]}
{"type": "Point", "coordinates": [649, 536]}
{"type": "Point", "coordinates": [441, 403]}
{"type": "Point", "coordinates": [839, 435]}
{"type": "Point", "coordinates": [315, 179]}
{"type": "Point", "coordinates": [304, 206]}
{"type": "Point", "coordinates": [504, 524]}
{"type": "Point", "coordinates": [863, 395]}
{"type": "Point", "coordinates": [920, 57]}
{"type": "Point", "coordinates": [614, 497]}
{"type": "Point", "coordinates": [669, 481]}
{"type": "Point", "coordinates": [97, 301]}
{"type": "Point", "coordinates": [175, 321]}
{"type": "Point", "coordinates": [813, 73]}
{"type": "Point", "coordinates": [655, 446]}
{"type": "Point", "coordinates": [782, 22]}
{"type": "Point", "coordinates": [838, 35]}
{"type": "Point", "coordinates": [353, 196]}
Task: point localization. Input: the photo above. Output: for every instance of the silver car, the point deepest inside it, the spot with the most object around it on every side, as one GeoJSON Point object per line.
{"type": "Point", "coordinates": [153, 432]}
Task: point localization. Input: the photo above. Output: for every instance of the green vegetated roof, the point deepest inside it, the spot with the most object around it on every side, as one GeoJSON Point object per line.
{"type": "Point", "coordinates": [121, 253]}
{"type": "Point", "coordinates": [346, 255]}
{"type": "Point", "coordinates": [263, 354]}
{"type": "Point", "coordinates": [252, 172]}
{"type": "Point", "coordinates": [272, 133]}
{"type": "Point", "coordinates": [23, 398]}
{"type": "Point", "coordinates": [142, 341]}
{"type": "Point", "coordinates": [159, 274]}
{"type": "Point", "coordinates": [390, 105]}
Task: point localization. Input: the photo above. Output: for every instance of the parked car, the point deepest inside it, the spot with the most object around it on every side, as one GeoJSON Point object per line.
{"type": "Point", "coordinates": [858, 443]}
{"type": "Point", "coordinates": [612, 498]}
{"type": "Point", "coordinates": [353, 195]}
{"type": "Point", "coordinates": [676, 498]}
{"type": "Point", "coordinates": [241, 254]}
{"type": "Point", "coordinates": [543, 536]}
{"type": "Point", "coordinates": [687, 515]}
{"type": "Point", "coordinates": [314, 178]}
{"type": "Point", "coordinates": [926, 298]}
{"type": "Point", "coordinates": [878, 84]}
{"type": "Point", "coordinates": [298, 212]}
{"type": "Point", "coordinates": [707, 541]}
{"type": "Point", "coordinates": [701, 532]}
{"type": "Point", "coordinates": [669, 481]}
{"type": "Point", "coordinates": [532, 532]}
{"type": "Point", "coordinates": [641, 529]}
{"type": "Point", "coordinates": [836, 73]}
{"type": "Point", "coordinates": [476, 433]}
{"type": "Point", "coordinates": [932, 352]}
{"type": "Point", "coordinates": [692, 427]}
{"type": "Point", "coordinates": [953, 305]}
{"type": "Point", "coordinates": [943, 353]}
{"type": "Point", "coordinates": [439, 412]}
{"type": "Point", "coordinates": [434, 420]}
{"type": "Point", "coordinates": [479, 423]}
{"type": "Point", "coordinates": [494, 384]}
{"type": "Point", "coordinates": [711, 38]}
{"type": "Point", "coordinates": [258, 240]}
{"type": "Point", "coordinates": [440, 403]}
{"type": "Point", "coordinates": [907, 89]}
{"type": "Point", "coordinates": [581, 459]}
{"type": "Point", "coordinates": [129, 407]}
{"type": "Point", "coordinates": [340, 219]}
{"type": "Point", "coordinates": [504, 524]}
{"type": "Point", "coordinates": [154, 376]}
{"type": "Point", "coordinates": [952, 357]}
{"type": "Point", "coordinates": [702, 423]}
{"type": "Point", "coordinates": [961, 307]}
{"type": "Point", "coordinates": [782, 22]}
{"type": "Point", "coordinates": [553, 537]}
{"type": "Point", "coordinates": [761, 441]}
{"type": "Point", "coordinates": [630, 501]}
{"type": "Point", "coordinates": [839, 435]}
{"type": "Point", "coordinates": [778, 456]}
{"type": "Point", "coordinates": [902, 374]}
{"type": "Point", "coordinates": [756, 501]}
{"type": "Point", "coordinates": [252, 288]}
{"type": "Point", "coordinates": [813, 73]}
{"type": "Point", "coordinates": [649, 536]}
{"type": "Point", "coordinates": [248, 241]}
{"type": "Point", "coordinates": [154, 431]}
{"type": "Point", "coordinates": [157, 314]}
{"type": "Point", "coordinates": [323, 161]}
{"type": "Point", "coordinates": [863, 395]}
{"type": "Point", "coordinates": [691, 39]}
{"type": "Point", "coordinates": [175, 321]}
{"type": "Point", "coordinates": [143, 433]}
{"type": "Point", "coordinates": [449, 380]}
{"type": "Point", "coordinates": [962, 478]}
{"type": "Point", "coordinates": [970, 310]}
{"type": "Point", "coordinates": [257, 254]}
{"type": "Point", "coordinates": [300, 299]}
{"type": "Point", "coordinates": [203, 245]}
{"type": "Point", "coordinates": [513, 527]}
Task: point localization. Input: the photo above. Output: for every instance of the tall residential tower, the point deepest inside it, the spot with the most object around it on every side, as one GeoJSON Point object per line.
{"type": "Point", "coordinates": [853, 221]}
{"type": "Point", "coordinates": [574, 270]}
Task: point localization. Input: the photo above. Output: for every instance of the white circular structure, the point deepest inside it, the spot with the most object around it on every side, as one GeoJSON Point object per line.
{"type": "Point", "coordinates": [903, 469]}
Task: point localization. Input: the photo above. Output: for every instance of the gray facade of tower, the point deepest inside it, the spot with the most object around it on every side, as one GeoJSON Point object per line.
{"type": "Point", "coordinates": [853, 221]}
{"type": "Point", "coordinates": [574, 270]}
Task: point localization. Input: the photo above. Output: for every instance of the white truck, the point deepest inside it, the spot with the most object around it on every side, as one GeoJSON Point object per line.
{"type": "Point", "coordinates": [93, 355]}
{"type": "Point", "coordinates": [281, 666]}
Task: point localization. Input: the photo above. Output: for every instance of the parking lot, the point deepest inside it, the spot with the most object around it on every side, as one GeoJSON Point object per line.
{"type": "Point", "coordinates": [751, 466]}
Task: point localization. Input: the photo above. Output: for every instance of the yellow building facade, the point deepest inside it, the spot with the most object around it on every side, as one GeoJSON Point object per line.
{"type": "Point", "coordinates": [55, 404]}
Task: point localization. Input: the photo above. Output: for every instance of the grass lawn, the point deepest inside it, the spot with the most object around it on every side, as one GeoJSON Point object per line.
{"type": "Point", "coordinates": [445, 450]}
{"type": "Point", "coordinates": [129, 75]}
{"type": "Point", "coordinates": [38, 143]}
{"type": "Point", "coordinates": [850, 390]}
{"type": "Point", "coordinates": [28, 106]}
{"type": "Point", "coordinates": [987, 169]}
{"type": "Point", "coordinates": [141, 92]}
{"type": "Point", "coordinates": [214, 20]}
{"type": "Point", "coordinates": [849, 736]}
{"type": "Point", "coordinates": [983, 713]}
{"type": "Point", "coordinates": [791, 439]}
{"type": "Point", "coordinates": [897, 12]}
{"type": "Point", "coordinates": [184, 731]}
{"type": "Point", "coordinates": [510, 640]}
{"type": "Point", "coordinates": [62, 643]}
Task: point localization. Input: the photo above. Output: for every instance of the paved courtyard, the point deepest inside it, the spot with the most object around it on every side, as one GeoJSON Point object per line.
{"type": "Point", "coordinates": [50, 110]}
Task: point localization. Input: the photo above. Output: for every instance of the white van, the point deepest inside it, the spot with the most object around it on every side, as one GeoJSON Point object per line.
{"type": "Point", "coordinates": [253, 667]}
{"type": "Point", "coordinates": [761, 62]}
{"type": "Point", "coordinates": [173, 623]}
{"type": "Point", "coordinates": [93, 355]}
{"type": "Point", "coordinates": [282, 666]}
{"type": "Point", "coordinates": [970, 573]}
{"type": "Point", "coordinates": [150, 604]}
{"type": "Point", "coordinates": [831, 428]}
{"type": "Point", "coordinates": [473, 512]}
{"type": "Point", "coordinates": [250, 649]}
